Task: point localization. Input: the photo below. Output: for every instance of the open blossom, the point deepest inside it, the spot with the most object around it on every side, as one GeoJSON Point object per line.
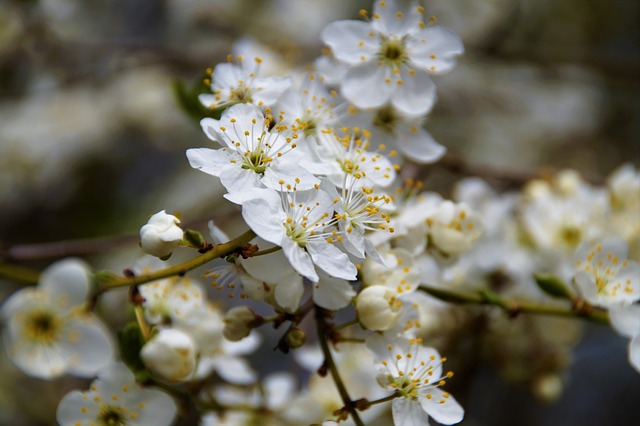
{"type": "Point", "coordinates": [454, 227]}
{"type": "Point", "coordinates": [298, 223]}
{"type": "Point", "coordinates": [242, 83]}
{"type": "Point", "coordinates": [252, 155]}
{"type": "Point", "coordinates": [48, 332]}
{"type": "Point", "coordinates": [115, 398]}
{"type": "Point", "coordinates": [160, 234]}
{"type": "Point", "coordinates": [391, 56]}
{"type": "Point", "coordinates": [415, 373]}
{"type": "Point", "coordinates": [604, 275]}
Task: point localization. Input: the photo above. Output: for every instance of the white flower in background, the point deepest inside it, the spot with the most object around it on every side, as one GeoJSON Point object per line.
{"type": "Point", "coordinates": [560, 215]}
{"type": "Point", "coordinates": [171, 355]}
{"type": "Point", "coordinates": [238, 323]}
{"type": "Point", "coordinates": [161, 234]}
{"type": "Point", "coordinates": [242, 83]}
{"type": "Point", "coordinates": [171, 299]}
{"type": "Point", "coordinates": [298, 223]}
{"type": "Point", "coordinates": [625, 319]}
{"type": "Point", "coordinates": [267, 402]}
{"type": "Point", "coordinates": [391, 56]}
{"type": "Point", "coordinates": [115, 399]}
{"type": "Point", "coordinates": [49, 333]}
{"type": "Point", "coordinates": [310, 108]}
{"type": "Point", "coordinates": [604, 275]}
{"type": "Point", "coordinates": [454, 227]}
{"type": "Point", "coordinates": [225, 358]}
{"type": "Point", "coordinates": [415, 373]}
{"type": "Point", "coordinates": [252, 155]}
{"type": "Point", "coordinates": [624, 191]}
{"type": "Point", "coordinates": [398, 132]}
{"type": "Point", "coordinates": [378, 307]}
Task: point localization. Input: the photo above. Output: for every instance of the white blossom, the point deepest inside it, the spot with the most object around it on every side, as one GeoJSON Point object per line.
{"type": "Point", "coordinates": [115, 398]}
{"type": "Point", "coordinates": [252, 155]}
{"type": "Point", "coordinates": [391, 56]}
{"type": "Point", "coordinates": [161, 234]}
{"type": "Point", "coordinates": [171, 355]}
{"type": "Point", "coordinates": [298, 223]}
{"type": "Point", "coordinates": [48, 331]}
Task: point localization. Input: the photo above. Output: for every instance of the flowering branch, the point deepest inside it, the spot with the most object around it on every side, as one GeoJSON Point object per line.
{"type": "Point", "coordinates": [215, 252]}
{"type": "Point", "coordinates": [514, 308]}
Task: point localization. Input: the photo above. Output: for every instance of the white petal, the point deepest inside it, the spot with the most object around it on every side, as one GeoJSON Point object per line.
{"type": "Point", "coordinates": [350, 41]}
{"type": "Point", "coordinates": [417, 93]}
{"type": "Point", "coordinates": [418, 145]}
{"type": "Point", "coordinates": [279, 388]}
{"type": "Point", "coordinates": [288, 173]}
{"type": "Point", "coordinates": [408, 412]}
{"type": "Point", "coordinates": [269, 89]}
{"type": "Point", "coordinates": [299, 259]}
{"type": "Point", "coordinates": [443, 410]}
{"type": "Point", "coordinates": [365, 86]}
{"type": "Point", "coordinates": [37, 360]}
{"type": "Point", "coordinates": [332, 293]}
{"type": "Point", "coordinates": [89, 347]}
{"type": "Point", "coordinates": [396, 17]}
{"type": "Point", "coordinates": [235, 370]}
{"type": "Point", "coordinates": [243, 347]}
{"type": "Point", "coordinates": [262, 211]}
{"type": "Point", "coordinates": [67, 281]}
{"type": "Point", "coordinates": [237, 179]}
{"type": "Point", "coordinates": [331, 260]}
{"type": "Point", "coordinates": [625, 319]}
{"type": "Point", "coordinates": [434, 49]}
{"type": "Point", "coordinates": [75, 409]}
{"type": "Point", "coordinates": [289, 293]}
{"type": "Point", "coordinates": [226, 75]}
{"type": "Point", "coordinates": [211, 128]}
{"type": "Point", "coordinates": [210, 161]}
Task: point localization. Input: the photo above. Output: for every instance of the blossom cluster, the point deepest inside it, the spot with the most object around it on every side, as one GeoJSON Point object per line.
{"type": "Point", "coordinates": [313, 162]}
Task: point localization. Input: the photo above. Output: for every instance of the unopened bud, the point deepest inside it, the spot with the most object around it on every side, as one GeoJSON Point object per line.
{"type": "Point", "coordinates": [378, 308]}
{"type": "Point", "coordinates": [160, 235]}
{"type": "Point", "coordinates": [238, 323]}
{"type": "Point", "coordinates": [194, 238]}
{"type": "Point", "coordinates": [295, 338]}
{"type": "Point", "coordinates": [170, 355]}
{"type": "Point", "coordinates": [553, 285]}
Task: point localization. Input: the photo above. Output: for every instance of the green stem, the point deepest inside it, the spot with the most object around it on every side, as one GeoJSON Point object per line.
{"type": "Point", "coordinates": [383, 400]}
{"type": "Point", "coordinates": [217, 251]}
{"type": "Point", "coordinates": [512, 307]}
{"type": "Point", "coordinates": [322, 329]}
{"type": "Point", "coordinates": [19, 273]}
{"type": "Point", "coordinates": [346, 324]}
{"type": "Point", "coordinates": [266, 251]}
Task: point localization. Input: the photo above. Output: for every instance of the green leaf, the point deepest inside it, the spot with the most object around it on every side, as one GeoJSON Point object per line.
{"type": "Point", "coordinates": [553, 286]}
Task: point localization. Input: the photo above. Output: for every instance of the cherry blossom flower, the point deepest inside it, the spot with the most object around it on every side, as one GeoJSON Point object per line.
{"type": "Point", "coordinates": [253, 156]}
{"type": "Point", "coordinates": [242, 83]}
{"type": "Point", "coordinates": [48, 331]}
{"type": "Point", "coordinates": [415, 373]}
{"type": "Point", "coordinates": [604, 275]}
{"type": "Point", "coordinates": [298, 222]}
{"type": "Point", "coordinates": [116, 399]}
{"type": "Point", "coordinates": [391, 56]}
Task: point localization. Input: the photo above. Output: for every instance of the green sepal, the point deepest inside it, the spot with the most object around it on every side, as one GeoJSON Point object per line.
{"type": "Point", "coordinates": [101, 277]}
{"type": "Point", "coordinates": [553, 286]}
{"type": "Point", "coordinates": [194, 238]}
{"type": "Point", "coordinates": [131, 341]}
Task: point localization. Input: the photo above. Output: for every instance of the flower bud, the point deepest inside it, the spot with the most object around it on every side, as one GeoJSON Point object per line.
{"type": "Point", "coordinates": [238, 322]}
{"type": "Point", "coordinates": [295, 338]}
{"type": "Point", "coordinates": [454, 227]}
{"type": "Point", "coordinates": [378, 307]}
{"type": "Point", "coordinates": [160, 235]}
{"type": "Point", "coordinates": [170, 355]}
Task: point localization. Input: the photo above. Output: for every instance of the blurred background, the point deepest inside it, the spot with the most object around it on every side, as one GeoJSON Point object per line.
{"type": "Point", "coordinates": [93, 136]}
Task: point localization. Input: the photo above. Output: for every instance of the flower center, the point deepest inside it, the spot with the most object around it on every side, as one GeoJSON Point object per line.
{"type": "Point", "coordinates": [392, 52]}
{"type": "Point", "coordinates": [43, 327]}
{"type": "Point", "coordinates": [241, 94]}
{"type": "Point", "coordinates": [112, 416]}
{"type": "Point", "coordinates": [296, 232]}
{"type": "Point", "coordinates": [571, 235]}
{"type": "Point", "coordinates": [385, 119]}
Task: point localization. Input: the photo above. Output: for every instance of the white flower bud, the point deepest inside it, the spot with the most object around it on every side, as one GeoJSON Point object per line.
{"type": "Point", "coordinates": [378, 307]}
{"type": "Point", "coordinates": [238, 322]}
{"type": "Point", "coordinates": [171, 355]}
{"type": "Point", "coordinates": [161, 234]}
{"type": "Point", "coordinates": [454, 227]}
